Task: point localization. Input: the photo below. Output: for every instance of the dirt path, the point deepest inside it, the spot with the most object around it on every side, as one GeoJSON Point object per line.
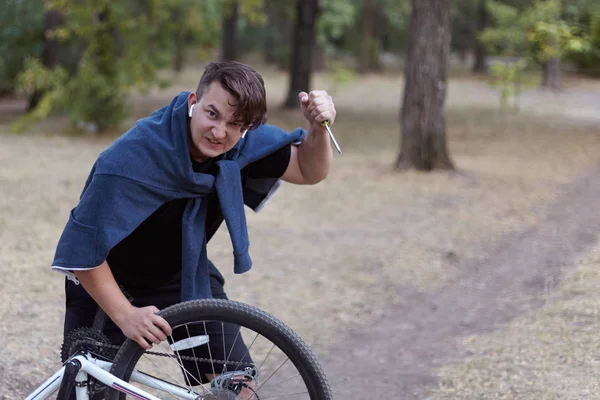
{"type": "Point", "coordinates": [397, 356]}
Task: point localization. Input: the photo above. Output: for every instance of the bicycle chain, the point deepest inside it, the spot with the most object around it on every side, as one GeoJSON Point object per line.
{"type": "Point", "coordinates": [154, 353]}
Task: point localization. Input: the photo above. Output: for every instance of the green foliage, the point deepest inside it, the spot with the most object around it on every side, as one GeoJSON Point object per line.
{"type": "Point", "coordinates": [506, 36]}
{"type": "Point", "coordinates": [586, 13]}
{"type": "Point", "coordinates": [397, 18]}
{"type": "Point", "coordinates": [550, 35]}
{"type": "Point", "coordinates": [542, 31]}
{"type": "Point", "coordinates": [340, 75]}
{"type": "Point", "coordinates": [125, 45]}
{"type": "Point", "coordinates": [507, 80]}
{"type": "Point", "coordinates": [337, 16]}
{"type": "Point", "coordinates": [21, 25]}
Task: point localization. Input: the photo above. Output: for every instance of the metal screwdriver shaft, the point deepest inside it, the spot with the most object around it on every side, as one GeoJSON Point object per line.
{"type": "Point", "coordinates": [326, 125]}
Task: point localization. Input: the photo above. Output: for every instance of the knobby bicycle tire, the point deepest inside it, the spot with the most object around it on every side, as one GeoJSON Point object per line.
{"type": "Point", "coordinates": [244, 315]}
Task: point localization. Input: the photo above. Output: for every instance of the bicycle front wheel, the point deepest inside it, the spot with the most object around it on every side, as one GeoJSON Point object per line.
{"type": "Point", "coordinates": [222, 349]}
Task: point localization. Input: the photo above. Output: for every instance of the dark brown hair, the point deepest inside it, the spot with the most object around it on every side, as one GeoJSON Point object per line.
{"type": "Point", "coordinates": [244, 84]}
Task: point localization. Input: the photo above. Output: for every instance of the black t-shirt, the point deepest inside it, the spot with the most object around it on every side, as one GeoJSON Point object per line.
{"type": "Point", "coordinates": [151, 254]}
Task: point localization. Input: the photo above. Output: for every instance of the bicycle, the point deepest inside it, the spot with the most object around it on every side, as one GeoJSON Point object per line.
{"type": "Point", "coordinates": [95, 368]}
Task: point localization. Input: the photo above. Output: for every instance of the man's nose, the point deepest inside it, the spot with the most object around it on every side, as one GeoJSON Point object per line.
{"type": "Point", "coordinates": [219, 131]}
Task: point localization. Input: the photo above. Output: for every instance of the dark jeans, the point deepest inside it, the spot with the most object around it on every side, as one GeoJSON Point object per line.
{"type": "Point", "coordinates": [225, 343]}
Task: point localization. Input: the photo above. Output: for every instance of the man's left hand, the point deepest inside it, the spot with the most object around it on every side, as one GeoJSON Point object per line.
{"type": "Point", "coordinates": [317, 106]}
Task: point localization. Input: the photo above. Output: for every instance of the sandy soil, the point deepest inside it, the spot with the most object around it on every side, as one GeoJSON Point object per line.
{"type": "Point", "coordinates": [334, 258]}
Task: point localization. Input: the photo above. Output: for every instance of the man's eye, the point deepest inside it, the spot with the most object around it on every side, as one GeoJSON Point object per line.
{"type": "Point", "coordinates": [211, 114]}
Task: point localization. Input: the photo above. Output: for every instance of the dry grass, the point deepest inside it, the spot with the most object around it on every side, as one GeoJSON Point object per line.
{"type": "Point", "coordinates": [324, 255]}
{"type": "Point", "coordinates": [552, 354]}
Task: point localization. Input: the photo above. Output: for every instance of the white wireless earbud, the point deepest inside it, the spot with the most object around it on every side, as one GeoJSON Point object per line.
{"type": "Point", "coordinates": [244, 134]}
{"type": "Point", "coordinates": [191, 110]}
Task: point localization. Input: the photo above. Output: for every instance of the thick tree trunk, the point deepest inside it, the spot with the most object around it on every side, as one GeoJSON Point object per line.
{"type": "Point", "coordinates": [551, 74]}
{"type": "Point", "coordinates": [422, 116]}
{"type": "Point", "coordinates": [229, 27]}
{"type": "Point", "coordinates": [50, 52]}
{"type": "Point", "coordinates": [480, 59]}
{"type": "Point", "coordinates": [304, 38]}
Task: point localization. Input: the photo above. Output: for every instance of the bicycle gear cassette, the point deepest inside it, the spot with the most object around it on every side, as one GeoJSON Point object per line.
{"type": "Point", "coordinates": [86, 340]}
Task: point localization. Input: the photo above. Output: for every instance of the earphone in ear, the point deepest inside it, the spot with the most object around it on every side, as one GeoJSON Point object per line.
{"type": "Point", "coordinates": [244, 134]}
{"type": "Point", "coordinates": [191, 110]}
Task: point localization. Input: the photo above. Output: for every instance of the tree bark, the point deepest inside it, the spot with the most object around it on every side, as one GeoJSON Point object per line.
{"type": "Point", "coordinates": [50, 52]}
{"type": "Point", "coordinates": [480, 59]}
{"type": "Point", "coordinates": [370, 38]}
{"type": "Point", "coordinates": [304, 39]}
{"type": "Point", "coordinates": [422, 115]}
{"type": "Point", "coordinates": [181, 36]}
{"type": "Point", "coordinates": [551, 74]}
{"type": "Point", "coordinates": [279, 34]}
{"type": "Point", "coordinates": [229, 28]}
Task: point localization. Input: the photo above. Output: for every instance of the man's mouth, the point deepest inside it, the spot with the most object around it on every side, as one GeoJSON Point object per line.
{"type": "Point", "coordinates": [214, 142]}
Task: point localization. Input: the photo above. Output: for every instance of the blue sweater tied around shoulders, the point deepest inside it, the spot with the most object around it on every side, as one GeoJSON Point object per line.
{"type": "Point", "coordinates": [150, 165]}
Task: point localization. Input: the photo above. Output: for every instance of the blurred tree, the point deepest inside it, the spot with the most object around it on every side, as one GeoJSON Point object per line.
{"type": "Point", "coordinates": [21, 36]}
{"type": "Point", "coordinates": [301, 60]}
{"type": "Point", "coordinates": [229, 29]}
{"type": "Point", "coordinates": [585, 14]}
{"type": "Point", "coordinates": [370, 28]}
{"type": "Point", "coordinates": [552, 36]}
{"type": "Point", "coordinates": [479, 53]}
{"type": "Point", "coordinates": [464, 19]}
{"type": "Point", "coordinates": [505, 37]}
{"type": "Point", "coordinates": [51, 50]}
{"type": "Point", "coordinates": [542, 34]}
{"type": "Point", "coordinates": [422, 116]}
{"type": "Point", "coordinates": [121, 45]}
{"type": "Point", "coordinates": [397, 17]}
{"type": "Point", "coordinates": [278, 32]}
{"type": "Point", "coordinates": [193, 24]}
{"type": "Point", "coordinates": [335, 19]}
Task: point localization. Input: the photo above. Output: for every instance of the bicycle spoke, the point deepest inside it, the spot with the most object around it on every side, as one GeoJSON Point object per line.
{"type": "Point", "coordinates": [247, 351]}
{"type": "Point", "coordinates": [270, 376]}
{"type": "Point", "coordinates": [209, 352]}
{"type": "Point", "coordinates": [225, 357]}
{"type": "Point", "coordinates": [193, 352]}
{"type": "Point", "coordinates": [237, 335]}
{"type": "Point", "coordinates": [185, 371]}
{"type": "Point", "coordinates": [268, 354]}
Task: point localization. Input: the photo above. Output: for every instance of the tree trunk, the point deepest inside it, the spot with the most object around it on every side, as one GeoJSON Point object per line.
{"type": "Point", "coordinates": [301, 61]}
{"type": "Point", "coordinates": [229, 26]}
{"type": "Point", "coordinates": [181, 34]}
{"type": "Point", "coordinates": [422, 116]}
{"type": "Point", "coordinates": [551, 74]}
{"type": "Point", "coordinates": [279, 34]}
{"type": "Point", "coordinates": [370, 38]}
{"type": "Point", "coordinates": [50, 52]}
{"type": "Point", "coordinates": [480, 61]}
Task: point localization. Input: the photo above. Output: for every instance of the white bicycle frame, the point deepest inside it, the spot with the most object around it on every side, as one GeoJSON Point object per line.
{"type": "Point", "coordinates": [99, 370]}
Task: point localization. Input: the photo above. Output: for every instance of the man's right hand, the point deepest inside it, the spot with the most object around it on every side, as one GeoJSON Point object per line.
{"type": "Point", "coordinates": [139, 324]}
{"type": "Point", "coordinates": [144, 326]}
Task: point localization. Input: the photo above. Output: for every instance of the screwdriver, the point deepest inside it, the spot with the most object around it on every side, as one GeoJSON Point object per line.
{"type": "Point", "coordinates": [326, 125]}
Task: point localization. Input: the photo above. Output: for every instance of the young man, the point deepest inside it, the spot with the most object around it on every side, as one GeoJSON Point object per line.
{"type": "Point", "coordinates": [158, 194]}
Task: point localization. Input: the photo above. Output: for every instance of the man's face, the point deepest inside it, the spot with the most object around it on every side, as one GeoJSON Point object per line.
{"type": "Point", "coordinates": [212, 128]}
